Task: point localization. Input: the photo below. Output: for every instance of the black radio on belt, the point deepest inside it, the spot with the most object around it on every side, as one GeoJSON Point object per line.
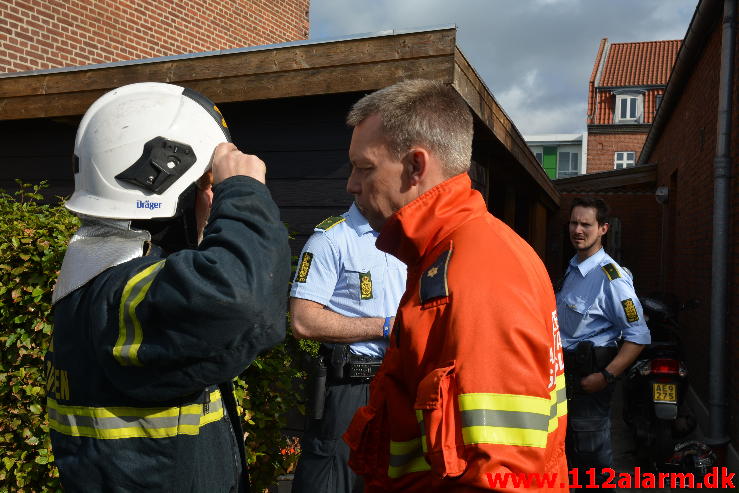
{"type": "Point", "coordinates": [362, 367]}
{"type": "Point", "coordinates": [347, 367]}
{"type": "Point", "coordinates": [317, 396]}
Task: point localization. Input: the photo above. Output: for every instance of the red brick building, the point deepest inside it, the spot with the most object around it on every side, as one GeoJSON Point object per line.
{"type": "Point", "coordinates": [694, 143]}
{"type": "Point", "coordinates": [687, 241]}
{"type": "Point", "coordinates": [625, 89]}
{"type": "Point", "coordinates": [43, 34]}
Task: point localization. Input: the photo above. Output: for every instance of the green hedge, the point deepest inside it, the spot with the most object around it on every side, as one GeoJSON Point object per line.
{"type": "Point", "coordinates": [33, 239]}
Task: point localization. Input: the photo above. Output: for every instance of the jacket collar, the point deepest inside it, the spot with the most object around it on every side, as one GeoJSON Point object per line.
{"type": "Point", "coordinates": [420, 225]}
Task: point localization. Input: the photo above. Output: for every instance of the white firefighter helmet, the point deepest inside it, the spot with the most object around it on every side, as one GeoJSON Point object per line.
{"type": "Point", "coordinates": [139, 147]}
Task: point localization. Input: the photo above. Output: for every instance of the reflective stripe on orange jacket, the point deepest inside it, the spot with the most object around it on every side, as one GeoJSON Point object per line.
{"type": "Point", "coordinates": [473, 380]}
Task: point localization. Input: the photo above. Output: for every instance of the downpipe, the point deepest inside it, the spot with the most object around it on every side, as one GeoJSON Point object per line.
{"type": "Point", "coordinates": [717, 436]}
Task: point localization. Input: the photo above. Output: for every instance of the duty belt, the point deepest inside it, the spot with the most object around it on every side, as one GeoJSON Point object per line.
{"type": "Point", "coordinates": [361, 367]}
{"type": "Point", "coordinates": [345, 367]}
{"type": "Point", "coordinates": [584, 360]}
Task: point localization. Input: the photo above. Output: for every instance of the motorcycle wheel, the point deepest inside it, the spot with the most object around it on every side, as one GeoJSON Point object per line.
{"type": "Point", "coordinates": [663, 444]}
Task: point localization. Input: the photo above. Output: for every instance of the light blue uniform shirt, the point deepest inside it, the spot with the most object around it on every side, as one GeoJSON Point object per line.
{"type": "Point", "coordinates": [349, 275]}
{"type": "Point", "coordinates": [593, 307]}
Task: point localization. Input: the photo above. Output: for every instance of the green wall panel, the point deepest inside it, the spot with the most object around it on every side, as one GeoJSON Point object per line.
{"type": "Point", "coordinates": [549, 162]}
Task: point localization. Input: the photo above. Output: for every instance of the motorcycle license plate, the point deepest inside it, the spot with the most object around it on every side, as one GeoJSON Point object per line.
{"type": "Point", "coordinates": [664, 392]}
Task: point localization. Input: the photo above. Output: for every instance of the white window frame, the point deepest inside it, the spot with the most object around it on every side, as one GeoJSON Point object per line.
{"type": "Point", "coordinates": [635, 102]}
{"type": "Point", "coordinates": [538, 152]}
{"type": "Point", "coordinates": [624, 159]}
{"type": "Point", "coordinates": [570, 150]}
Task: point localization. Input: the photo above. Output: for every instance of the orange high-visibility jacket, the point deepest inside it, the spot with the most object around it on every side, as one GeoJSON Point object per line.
{"type": "Point", "coordinates": [473, 380]}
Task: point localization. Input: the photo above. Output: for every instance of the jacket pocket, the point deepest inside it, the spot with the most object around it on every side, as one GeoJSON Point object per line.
{"type": "Point", "coordinates": [367, 441]}
{"type": "Point", "coordinates": [437, 410]}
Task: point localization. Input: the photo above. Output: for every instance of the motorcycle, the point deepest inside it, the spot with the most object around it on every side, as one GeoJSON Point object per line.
{"type": "Point", "coordinates": [655, 385]}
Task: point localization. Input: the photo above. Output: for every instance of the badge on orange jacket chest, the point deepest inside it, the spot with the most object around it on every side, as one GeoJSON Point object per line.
{"type": "Point", "coordinates": [433, 284]}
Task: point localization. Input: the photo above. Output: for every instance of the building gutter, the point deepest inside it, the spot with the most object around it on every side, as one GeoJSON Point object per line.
{"type": "Point", "coordinates": [717, 372]}
{"type": "Point", "coordinates": [705, 14]}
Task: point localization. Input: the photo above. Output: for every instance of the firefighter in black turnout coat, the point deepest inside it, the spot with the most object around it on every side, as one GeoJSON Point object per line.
{"type": "Point", "coordinates": [153, 316]}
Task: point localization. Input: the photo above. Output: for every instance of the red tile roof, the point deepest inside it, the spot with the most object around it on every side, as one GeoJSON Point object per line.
{"type": "Point", "coordinates": [636, 64]}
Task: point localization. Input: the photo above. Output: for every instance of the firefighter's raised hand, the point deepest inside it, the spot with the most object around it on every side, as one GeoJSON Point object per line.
{"type": "Point", "coordinates": [229, 161]}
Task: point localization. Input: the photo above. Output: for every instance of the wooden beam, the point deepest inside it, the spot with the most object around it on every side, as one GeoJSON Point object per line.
{"type": "Point", "coordinates": [329, 80]}
{"type": "Point", "coordinates": [347, 59]}
{"type": "Point", "coordinates": [642, 174]}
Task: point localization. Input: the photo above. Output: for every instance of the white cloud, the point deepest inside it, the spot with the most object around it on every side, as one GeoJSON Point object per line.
{"type": "Point", "coordinates": [535, 55]}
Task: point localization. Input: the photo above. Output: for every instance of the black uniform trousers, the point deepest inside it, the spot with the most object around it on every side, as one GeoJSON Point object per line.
{"type": "Point", "coordinates": [588, 441]}
{"type": "Point", "coordinates": [323, 467]}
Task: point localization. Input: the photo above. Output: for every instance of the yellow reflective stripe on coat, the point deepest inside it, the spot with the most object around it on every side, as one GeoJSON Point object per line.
{"type": "Point", "coordinates": [130, 334]}
{"type": "Point", "coordinates": [508, 419]}
{"type": "Point", "coordinates": [111, 423]}
{"type": "Point", "coordinates": [559, 403]}
{"type": "Point", "coordinates": [406, 457]}
{"type": "Point", "coordinates": [419, 418]}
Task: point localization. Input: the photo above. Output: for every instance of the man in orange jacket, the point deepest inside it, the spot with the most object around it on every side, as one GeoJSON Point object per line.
{"type": "Point", "coordinates": [472, 385]}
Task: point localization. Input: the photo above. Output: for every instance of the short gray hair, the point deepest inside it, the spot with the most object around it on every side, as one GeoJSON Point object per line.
{"type": "Point", "coordinates": [421, 112]}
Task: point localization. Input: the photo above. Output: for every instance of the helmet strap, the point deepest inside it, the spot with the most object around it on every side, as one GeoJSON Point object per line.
{"type": "Point", "coordinates": [176, 233]}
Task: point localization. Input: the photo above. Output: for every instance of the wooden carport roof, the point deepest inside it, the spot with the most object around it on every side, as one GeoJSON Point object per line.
{"type": "Point", "coordinates": [640, 178]}
{"type": "Point", "coordinates": [295, 69]}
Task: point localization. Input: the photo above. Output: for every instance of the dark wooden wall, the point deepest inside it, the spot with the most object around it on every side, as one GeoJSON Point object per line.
{"type": "Point", "coordinates": [303, 141]}
{"type": "Point", "coordinates": [35, 150]}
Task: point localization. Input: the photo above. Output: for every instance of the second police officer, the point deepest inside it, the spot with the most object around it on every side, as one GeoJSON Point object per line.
{"type": "Point", "coordinates": [345, 294]}
{"type": "Point", "coordinates": [597, 306]}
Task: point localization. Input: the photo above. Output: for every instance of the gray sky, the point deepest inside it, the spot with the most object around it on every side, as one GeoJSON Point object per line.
{"type": "Point", "coordinates": [535, 55]}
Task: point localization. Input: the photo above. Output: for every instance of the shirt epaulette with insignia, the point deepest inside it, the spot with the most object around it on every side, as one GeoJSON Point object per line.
{"type": "Point", "coordinates": [611, 271]}
{"type": "Point", "coordinates": [330, 222]}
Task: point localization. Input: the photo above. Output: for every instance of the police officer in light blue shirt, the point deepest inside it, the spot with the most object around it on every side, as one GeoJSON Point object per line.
{"type": "Point", "coordinates": [345, 294]}
{"type": "Point", "coordinates": [596, 306]}
{"type": "Point", "coordinates": [597, 303]}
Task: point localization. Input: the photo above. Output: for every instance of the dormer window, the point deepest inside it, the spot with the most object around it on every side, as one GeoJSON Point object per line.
{"type": "Point", "coordinates": [629, 108]}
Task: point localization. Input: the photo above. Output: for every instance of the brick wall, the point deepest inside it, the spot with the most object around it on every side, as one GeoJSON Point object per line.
{"type": "Point", "coordinates": [684, 155]}
{"type": "Point", "coordinates": [42, 34]}
{"type": "Point", "coordinates": [603, 146]}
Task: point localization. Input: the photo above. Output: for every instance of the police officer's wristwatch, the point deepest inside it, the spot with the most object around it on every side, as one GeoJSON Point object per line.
{"type": "Point", "coordinates": [610, 378]}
